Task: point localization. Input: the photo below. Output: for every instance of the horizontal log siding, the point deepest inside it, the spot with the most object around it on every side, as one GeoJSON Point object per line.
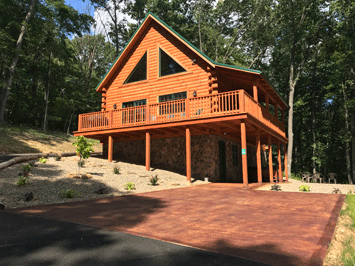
{"type": "Point", "coordinates": [195, 79]}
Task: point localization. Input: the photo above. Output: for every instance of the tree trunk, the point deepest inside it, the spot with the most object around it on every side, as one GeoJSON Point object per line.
{"type": "Point", "coordinates": [6, 90]}
{"type": "Point", "coordinates": [347, 144]}
{"type": "Point", "coordinates": [352, 122]}
{"type": "Point", "coordinates": [47, 94]}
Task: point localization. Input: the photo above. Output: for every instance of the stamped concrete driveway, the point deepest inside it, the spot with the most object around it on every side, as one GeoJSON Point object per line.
{"type": "Point", "coordinates": [278, 228]}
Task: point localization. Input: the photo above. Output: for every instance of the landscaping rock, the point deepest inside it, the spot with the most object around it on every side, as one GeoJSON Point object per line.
{"type": "Point", "coordinates": [28, 196]}
{"type": "Point", "coordinates": [2, 206]}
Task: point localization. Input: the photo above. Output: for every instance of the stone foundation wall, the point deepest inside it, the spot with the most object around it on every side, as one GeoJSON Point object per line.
{"type": "Point", "coordinates": [170, 154]}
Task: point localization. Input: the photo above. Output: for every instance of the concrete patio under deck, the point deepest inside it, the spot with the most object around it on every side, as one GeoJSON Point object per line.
{"type": "Point", "coordinates": [277, 228]}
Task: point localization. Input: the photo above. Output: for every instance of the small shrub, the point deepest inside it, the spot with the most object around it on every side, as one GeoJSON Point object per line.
{"type": "Point", "coordinates": [336, 191]}
{"type": "Point", "coordinates": [69, 193]}
{"type": "Point", "coordinates": [42, 160]}
{"type": "Point", "coordinates": [58, 158]}
{"type": "Point", "coordinates": [22, 180]}
{"type": "Point", "coordinates": [81, 163]}
{"type": "Point", "coordinates": [26, 169]}
{"type": "Point", "coordinates": [116, 170]}
{"type": "Point", "coordinates": [153, 180]}
{"type": "Point", "coordinates": [276, 188]}
{"type": "Point", "coordinates": [350, 192]}
{"type": "Point", "coordinates": [129, 186]}
{"type": "Point", "coordinates": [305, 188]}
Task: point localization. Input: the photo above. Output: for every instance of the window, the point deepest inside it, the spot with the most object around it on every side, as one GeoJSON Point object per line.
{"type": "Point", "coordinates": [139, 72]}
{"type": "Point", "coordinates": [235, 155]}
{"type": "Point", "coordinates": [167, 65]}
{"type": "Point", "coordinates": [133, 115]}
{"type": "Point", "coordinates": [172, 107]}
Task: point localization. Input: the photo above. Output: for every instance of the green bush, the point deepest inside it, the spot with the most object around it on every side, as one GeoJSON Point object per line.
{"type": "Point", "coordinates": [83, 149]}
{"type": "Point", "coordinates": [153, 180]}
{"type": "Point", "coordinates": [305, 188]}
{"type": "Point", "coordinates": [26, 169]}
{"type": "Point", "coordinates": [42, 160]}
{"type": "Point", "coordinates": [276, 188]}
{"type": "Point", "coordinates": [336, 191]}
{"type": "Point", "coordinates": [58, 158]}
{"type": "Point", "coordinates": [81, 163]}
{"type": "Point", "coordinates": [22, 180]}
{"type": "Point", "coordinates": [69, 193]}
{"type": "Point", "coordinates": [116, 170]}
{"type": "Point", "coordinates": [129, 186]}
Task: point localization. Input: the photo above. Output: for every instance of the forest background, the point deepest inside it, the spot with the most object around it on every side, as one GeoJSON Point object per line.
{"type": "Point", "coordinates": [52, 57]}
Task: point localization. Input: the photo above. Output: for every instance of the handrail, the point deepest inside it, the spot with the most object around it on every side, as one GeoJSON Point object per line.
{"type": "Point", "coordinates": [213, 105]}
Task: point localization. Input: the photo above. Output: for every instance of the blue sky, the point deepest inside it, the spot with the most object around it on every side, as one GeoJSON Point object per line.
{"type": "Point", "coordinates": [80, 5]}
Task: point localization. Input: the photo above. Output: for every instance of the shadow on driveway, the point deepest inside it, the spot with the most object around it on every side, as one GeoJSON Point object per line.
{"type": "Point", "coordinates": [26, 240]}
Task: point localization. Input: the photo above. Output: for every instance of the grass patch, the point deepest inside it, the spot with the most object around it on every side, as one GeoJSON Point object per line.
{"type": "Point", "coordinates": [348, 252]}
{"type": "Point", "coordinates": [350, 208]}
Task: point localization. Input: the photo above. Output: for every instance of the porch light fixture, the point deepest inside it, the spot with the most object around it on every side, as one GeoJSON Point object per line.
{"type": "Point", "coordinates": [114, 106]}
{"type": "Point", "coordinates": [194, 94]}
{"type": "Point", "coordinates": [225, 134]}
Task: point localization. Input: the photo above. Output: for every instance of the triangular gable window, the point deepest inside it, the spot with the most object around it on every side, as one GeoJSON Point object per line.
{"type": "Point", "coordinates": [139, 72]}
{"type": "Point", "coordinates": [168, 66]}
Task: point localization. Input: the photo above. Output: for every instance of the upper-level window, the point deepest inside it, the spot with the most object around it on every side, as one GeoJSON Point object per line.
{"type": "Point", "coordinates": [173, 97]}
{"type": "Point", "coordinates": [139, 72]}
{"type": "Point", "coordinates": [134, 103]}
{"type": "Point", "coordinates": [167, 65]}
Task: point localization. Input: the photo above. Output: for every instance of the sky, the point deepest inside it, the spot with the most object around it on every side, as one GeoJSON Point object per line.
{"type": "Point", "coordinates": [80, 5]}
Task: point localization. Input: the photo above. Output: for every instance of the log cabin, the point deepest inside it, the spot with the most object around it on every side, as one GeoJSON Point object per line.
{"type": "Point", "coordinates": [166, 104]}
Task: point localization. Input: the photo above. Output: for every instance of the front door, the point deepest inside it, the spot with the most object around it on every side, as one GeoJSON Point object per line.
{"type": "Point", "coordinates": [222, 162]}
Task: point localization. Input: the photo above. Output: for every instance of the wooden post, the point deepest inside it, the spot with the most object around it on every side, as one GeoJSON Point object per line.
{"type": "Point", "coordinates": [258, 156]}
{"type": "Point", "coordinates": [147, 151]}
{"type": "Point", "coordinates": [110, 121]}
{"type": "Point", "coordinates": [276, 112]}
{"type": "Point", "coordinates": [281, 179]}
{"type": "Point", "coordinates": [255, 93]}
{"type": "Point", "coordinates": [187, 108]}
{"type": "Point", "coordinates": [188, 154]}
{"type": "Point", "coordinates": [79, 124]}
{"type": "Point", "coordinates": [267, 102]}
{"type": "Point", "coordinates": [147, 114]}
{"type": "Point", "coordinates": [110, 148]}
{"type": "Point", "coordinates": [241, 101]}
{"type": "Point", "coordinates": [271, 170]}
{"type": "Point", "coordinates": [285, 162]}
{"type": "Point", "coordinates": [244, 153]}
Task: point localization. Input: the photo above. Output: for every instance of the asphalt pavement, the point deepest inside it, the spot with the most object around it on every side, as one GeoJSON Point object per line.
{"type": "Point", "coordinates": [28, 240]}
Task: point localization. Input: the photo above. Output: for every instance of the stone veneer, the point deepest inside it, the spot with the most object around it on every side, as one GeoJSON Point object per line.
{"type": "Point", "coordinates": [170, 154]}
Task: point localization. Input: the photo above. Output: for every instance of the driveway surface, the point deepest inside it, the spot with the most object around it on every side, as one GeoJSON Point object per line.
{"type": "Point", "coordinates": [277, 228]}
{"type": "Point", "coordinates": [33, 241]}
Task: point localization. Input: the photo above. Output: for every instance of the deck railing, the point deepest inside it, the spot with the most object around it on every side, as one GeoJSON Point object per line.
{"type": "Point", "coordinates": [214, 105]}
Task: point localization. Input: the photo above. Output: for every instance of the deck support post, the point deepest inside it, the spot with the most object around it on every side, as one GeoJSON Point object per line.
{"type": "Point", "coordinates": [110, 148]}
{"type": "Point", "coordinates": [188, 154]}
{"type": "Point", "coordinates": [244, 153]}
{"type": "Point", "coordinates": [147, 151]}
{"type": "Point", "coordinates": [285, 162]}
{"type": "Point", "coordinates": [271, 170]}
{"type": "Point", "coordinates": [281, 179]}
{"type": "Point", "coordinates": [258, 156]}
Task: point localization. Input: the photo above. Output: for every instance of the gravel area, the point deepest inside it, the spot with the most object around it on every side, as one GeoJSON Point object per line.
{"type": "Point", "coordinates": [47, 181]}
{"type": "Point", "coordinates": [293, 186]}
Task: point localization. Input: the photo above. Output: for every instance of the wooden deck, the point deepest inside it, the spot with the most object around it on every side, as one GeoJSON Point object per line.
{"type": "Point", "coordinates": [212, 106]}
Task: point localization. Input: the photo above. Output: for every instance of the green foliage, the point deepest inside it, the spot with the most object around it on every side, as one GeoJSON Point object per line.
{"type": "Point", "coordinates": [116, 170]}
{"type": "Point", "coordinates": [304, 188]}
{"type": "Point", "coordinates": [348, 252]}
{"type": "Point", "coordinates": [22, 180]}
{"type": "Point", "coordinates": [69, 193]}
{"type": "Point", "coordinates": [350, 207]}
{"type": "Point", "coordinates": [129, 186]}
{"type": "Point", "coordinates": [81, 163]}
{"type": "Point", "coordinates": [26, 169]}
{"type": "Point", "coordinates": [276, 188]}
{"type": "Point", "coordinates": [83, 147]}
{"type": "Point", "coordinates": [58, 158]}
{"type": "Point", "coordinates": [42, 160]}
{"type": "Point", "coordinates": [153, 180]}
